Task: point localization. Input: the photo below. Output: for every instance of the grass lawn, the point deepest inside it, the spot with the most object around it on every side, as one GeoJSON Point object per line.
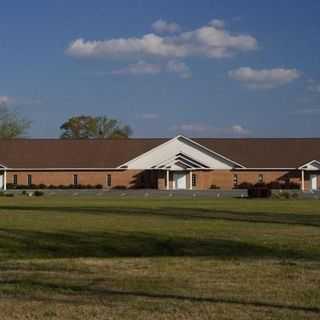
{"type": "Point", "coordinates": [101, 258]}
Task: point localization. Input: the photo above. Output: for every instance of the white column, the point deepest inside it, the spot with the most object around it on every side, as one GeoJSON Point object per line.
{"type": "Point", "coordinates": [302, 180]}
{"type": "Point", "coordinates": [190, 180]}
{"type": "Point", "coordinates": [5, 180]}
{"type": "Point", "coordinates": [168, 179]}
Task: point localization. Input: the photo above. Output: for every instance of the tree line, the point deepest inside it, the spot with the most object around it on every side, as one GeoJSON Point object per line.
{"type": "Point", "coordinates": [13, 125]}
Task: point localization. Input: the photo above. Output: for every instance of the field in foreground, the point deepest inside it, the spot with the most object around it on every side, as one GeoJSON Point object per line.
{"type": "Point", "coordinates": [95, 258]}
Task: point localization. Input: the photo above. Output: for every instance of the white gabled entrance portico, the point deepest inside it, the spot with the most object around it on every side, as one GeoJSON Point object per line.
{"type": "Point", "coordinates": [178, 157]}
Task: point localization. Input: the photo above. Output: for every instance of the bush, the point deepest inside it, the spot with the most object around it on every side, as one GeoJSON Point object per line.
{"type": "Point", "coordinates": [20, 187]}
{"type": "Point", "coordinates": [288, 185]}
{"type": "Point", "coordinates": [259, 192]}
{"type": "Point", "coordinates": [276, 185]}
{"type": "Point", "coordinates": [38, 193]}
{"type": "Point", "coordinates": [213, 186]}
{"type": "Point", "coordinates": [291, 186]}
{"type": "Point", "coordinates": [119, 187]}
{"type": "Point", "coordinates": [244, 185]}
{"type": "Point", "coordinates": [99, 186]}
{"type": "Point", "coordinates": [260, 185]}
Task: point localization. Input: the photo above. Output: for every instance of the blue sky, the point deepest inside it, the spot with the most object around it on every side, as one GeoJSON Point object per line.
{"type": "Point", "coordinates": [200, 68]}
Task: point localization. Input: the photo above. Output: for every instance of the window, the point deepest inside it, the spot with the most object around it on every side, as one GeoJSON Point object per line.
{"type": "Point", "coordinates": [260, 178]}
{"type": "Point", "coordinates": [75, 179]}
{"type": "Point", "coordinates": [15, 179]}
{"type": "Point", "coordinates": [109, 180]}
{"type": "Point", "coordinates": [235, 180]}
{"type": "Point", "coordinates": [194, 180]}
{"type": "Point", "coordinates": [29, 179]}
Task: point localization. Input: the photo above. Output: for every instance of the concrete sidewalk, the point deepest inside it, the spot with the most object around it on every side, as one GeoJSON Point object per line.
{"type": "Point", "coordinates": [139, 193]}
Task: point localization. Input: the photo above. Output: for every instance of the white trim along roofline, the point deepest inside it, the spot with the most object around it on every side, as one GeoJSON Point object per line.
{"type": "Point", "coordinates": [309, 163]}
{"type": "Point", "coordinates": [209, 150]}
{"type": "Point", "coordinates": [187, 139]}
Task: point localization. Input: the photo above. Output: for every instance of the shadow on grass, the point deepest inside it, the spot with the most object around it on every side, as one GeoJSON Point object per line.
{"type": "Point", "coordinates": [103, 292]}
{"type": "Point", "coordinates": [308, 220]}
{"type": "Point", "coordinates": [20, 244]}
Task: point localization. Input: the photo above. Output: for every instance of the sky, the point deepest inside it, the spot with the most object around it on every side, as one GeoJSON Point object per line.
{"type": "Point", "coordinates": [202, 68]}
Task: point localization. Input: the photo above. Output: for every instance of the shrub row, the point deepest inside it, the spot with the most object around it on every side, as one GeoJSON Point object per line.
{"type": "Point", "coordinates": [285, 195]}
{"type": "Point", "coordinates": [43, 186]}
{"type": "Point", "coordinates": [259, 192]}
{"type": "Point", "coordinates": [276, 185]}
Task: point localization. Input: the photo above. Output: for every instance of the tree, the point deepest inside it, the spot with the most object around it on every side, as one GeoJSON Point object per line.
{"type": "Point", "coordinates": [78, 127]}
{"type": "Point", "coordinates": [12, 125]}
{"type": "Point", "coordinates": [111, 128]}
{"type": "Point", "coordinates": [88, 127]}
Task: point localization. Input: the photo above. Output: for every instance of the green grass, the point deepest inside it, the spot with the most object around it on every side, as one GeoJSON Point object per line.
{"type": "Point", "coordinates": [101, 258]}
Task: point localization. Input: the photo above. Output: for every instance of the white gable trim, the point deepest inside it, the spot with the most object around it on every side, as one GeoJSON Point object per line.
{"type": "Point", "coordinates": [311, 165]}
{"type": "Point", "coordinates": [213, 152]}
{"type": "Point", "coordinates": [183, 147]}
{"type": "Point", "coordinates": [3, 166]}
{"type": "Point", "coordinates": [184, 157]}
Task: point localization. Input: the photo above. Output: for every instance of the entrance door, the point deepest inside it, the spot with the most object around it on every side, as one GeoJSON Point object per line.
{"type": "Point", "coordinates": [314, 182]}
{"type": "Point", "coordinates": [1, 181]}
{"type": "Point", "coordinates": [180, 180]}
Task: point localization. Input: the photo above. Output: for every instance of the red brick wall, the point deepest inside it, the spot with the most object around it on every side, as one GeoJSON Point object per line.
{"type": "Point", "coordinates": [224, 178]}
{"type": "Point", "coordinates": [154, 179]}
{"type": "Point", "coordinates": [130, 179]}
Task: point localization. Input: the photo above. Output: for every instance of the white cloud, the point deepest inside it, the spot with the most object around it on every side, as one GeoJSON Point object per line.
{"type": "Point", "coordinates": [162, 26]}
{"type": "Point", "coordinates": [239, 130]}
{"type": "Point", "coordinates": [264, 78]}
{"type": "Point", "coordinates": [180, 68]}
{"type": "Point", "coordinates": [149, 116]}
{"type": "Point", "coordinates": [192, 128]}
{"type": "Point", "coordinates": [209, 41]}
{"type": "Point", "coordinates": [5, 100]}
{"type": "Point", "coordinates": [203, 129]}
{"type": "Point", "coordinates": [217, 23]}
{"type": "Point", "coordinates": [139, 68]}
{"type": "Point", "coordinates": [145, 68]}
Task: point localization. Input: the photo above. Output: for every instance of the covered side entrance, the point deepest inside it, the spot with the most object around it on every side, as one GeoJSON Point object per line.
{"type": "Point", "coordinates": [310, 176]}
{"type": "Point", "coordinates": [3, 178]}
{"type": "Point", "coordinates": [175, 161]}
